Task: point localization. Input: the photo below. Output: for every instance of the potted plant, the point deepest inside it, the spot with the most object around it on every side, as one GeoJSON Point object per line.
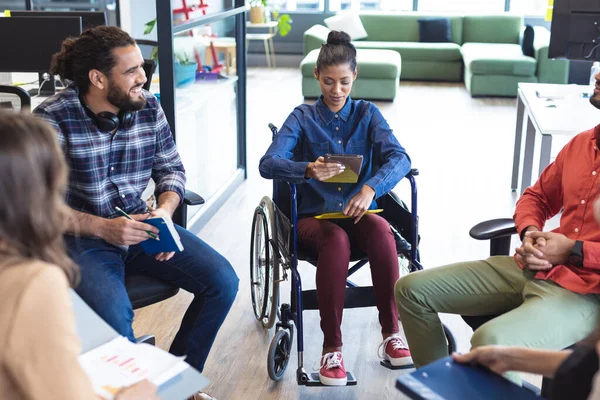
{"type": "Point", "coordinates": [257, 11]}
{"type": "Point", "coordinates": [284, 22]}
{"type": "Point", "coordinates": [185, 70]}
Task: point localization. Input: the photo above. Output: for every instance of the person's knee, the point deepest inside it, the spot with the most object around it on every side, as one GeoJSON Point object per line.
{"type": "Point", "coordinates": [486, 335]}
{"type": "Point", "coordinates": [228, 284]}
{"type": "Point", "coordinates": [409, 287]}
{"type": "Point", "coordinates": [117, 313]}
{"type": "Point", "coordinates": [377, 225]}
{"type": "Point", "coordinates": [337, 241]}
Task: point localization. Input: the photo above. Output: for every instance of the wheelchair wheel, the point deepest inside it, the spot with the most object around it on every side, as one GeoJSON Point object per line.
{"type": "Point", "coordinates": [279, 354]}
{"type": "Point", "coordinates": [264, 264]}
{"type": "Point", "coordinates": [450, 339]}
{"type": "Point", "coordinates": [259, 253]}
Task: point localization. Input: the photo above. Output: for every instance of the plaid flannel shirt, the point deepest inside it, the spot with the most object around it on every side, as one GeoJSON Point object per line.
{"type": "Point", "coordinates": [109, 170]}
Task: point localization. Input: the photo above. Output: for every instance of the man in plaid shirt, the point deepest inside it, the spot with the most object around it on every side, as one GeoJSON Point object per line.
{"type": "Point", "coordinates": [115, 137]}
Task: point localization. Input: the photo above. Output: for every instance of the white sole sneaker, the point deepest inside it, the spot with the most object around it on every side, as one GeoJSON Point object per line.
{"type": "Point", "coordinates": [332, 381]}
{"type": "Point", "coordinates": [399, 362]}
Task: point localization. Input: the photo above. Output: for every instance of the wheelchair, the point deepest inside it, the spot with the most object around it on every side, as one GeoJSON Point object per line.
{"type": "Point", "coordinates": [274, 256]}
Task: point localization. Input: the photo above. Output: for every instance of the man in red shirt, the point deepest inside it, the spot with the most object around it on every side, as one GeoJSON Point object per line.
{"type": "Point", "coordinates": [548, 295]}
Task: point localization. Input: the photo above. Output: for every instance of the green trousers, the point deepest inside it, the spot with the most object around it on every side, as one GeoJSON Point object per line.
{"type": "Point", "coordinates": [531, 312]}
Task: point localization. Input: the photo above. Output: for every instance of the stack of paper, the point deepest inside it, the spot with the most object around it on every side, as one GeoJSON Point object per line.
{"type": "Point", "coordinates": [120, 363]}
{"type": "Point", "coordinates": [555, 92]}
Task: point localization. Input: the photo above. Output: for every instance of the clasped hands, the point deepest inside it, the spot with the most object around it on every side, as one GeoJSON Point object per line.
{"type": "Point", "coordinates": [541, 251]}
{"type": "Point", "coordinates": [359, 204]}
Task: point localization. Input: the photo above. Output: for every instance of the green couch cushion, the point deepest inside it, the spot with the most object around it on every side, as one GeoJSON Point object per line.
{"type": "Point", "coordinates": [417, 50]}
{"type": "Point", "coordinates": [379, 64]}
{"type": "Point", "coordinates": [504, 28]}
{"type": "Point", "coordinates": [497, 59]}
{"type": "Point", "coordinates": [403, 27]}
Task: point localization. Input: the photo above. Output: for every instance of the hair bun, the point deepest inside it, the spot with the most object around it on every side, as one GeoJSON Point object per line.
{"type": "Point", "coordinates": [338, 37]}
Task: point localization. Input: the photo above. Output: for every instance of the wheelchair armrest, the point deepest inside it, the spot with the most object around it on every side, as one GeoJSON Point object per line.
{"type": "Point", "coordinates": [192, 199]}
{"type": "Point", "coordinates": [493, 229]}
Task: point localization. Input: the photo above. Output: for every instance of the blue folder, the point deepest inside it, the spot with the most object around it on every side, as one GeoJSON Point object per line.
{"type": "Point", "coordinates": [169, 238]}
{"type": "Point", "coordinates": [446, 379]}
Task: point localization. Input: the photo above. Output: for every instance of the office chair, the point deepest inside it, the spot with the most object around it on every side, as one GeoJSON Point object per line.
{"type": "Point", "coordinates": [149, 68]}
{"type": "Point", "coordinates": [22, 94]}
{"type": "Point", "coordinates": [499, 232]}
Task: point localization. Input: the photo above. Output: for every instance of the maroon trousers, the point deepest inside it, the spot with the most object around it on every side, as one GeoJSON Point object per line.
{"type": "Point", "coordinates": [332, 241]}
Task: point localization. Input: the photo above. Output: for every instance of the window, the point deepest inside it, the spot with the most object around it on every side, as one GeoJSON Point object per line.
{"type": "Point", "coordinates": [470, 6]}
{"type": "Point", "coordinates": [529, 7]}
{"type": "Point", "coordinates": [377, 5]}
{"type": "Point", "coordinates": [298, 5]}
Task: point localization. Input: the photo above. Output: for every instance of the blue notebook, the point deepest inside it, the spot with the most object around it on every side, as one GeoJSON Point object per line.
{"type": "Point", "coordinates": [446, 379]}
{"type": "Point", "coordinates": [168, 238]}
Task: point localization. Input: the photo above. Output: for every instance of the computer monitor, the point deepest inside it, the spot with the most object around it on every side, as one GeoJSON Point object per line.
{"type": "Point", "coordinates": [575, 30]}
{"type": "Point", "coordinates": [89, 19]}
{"type": "Point", "coordinates": [29, 42]}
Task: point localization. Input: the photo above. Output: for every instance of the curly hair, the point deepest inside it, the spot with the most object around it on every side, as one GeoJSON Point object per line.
{"type": "Point", "coordinates": [92, 50]}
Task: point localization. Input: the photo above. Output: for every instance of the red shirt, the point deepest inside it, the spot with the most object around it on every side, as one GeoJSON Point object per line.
{"type": "Point", "coordinates": [569, 184]}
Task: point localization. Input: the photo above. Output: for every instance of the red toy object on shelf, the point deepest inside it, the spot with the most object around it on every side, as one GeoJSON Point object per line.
{"type": "Point", "coordinates": [216, 67]}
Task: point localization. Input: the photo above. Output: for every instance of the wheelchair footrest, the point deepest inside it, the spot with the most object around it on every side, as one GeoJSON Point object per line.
{"type": "Point", "coordinates": [313, 380]}
{"type": "Point", "coordinates": [388, 365]}
{"type": "Point", "coordinates": [355, 297]}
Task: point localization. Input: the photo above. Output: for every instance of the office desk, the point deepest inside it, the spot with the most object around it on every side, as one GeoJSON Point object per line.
{"type": "Point", "coordinates": [565, 116]}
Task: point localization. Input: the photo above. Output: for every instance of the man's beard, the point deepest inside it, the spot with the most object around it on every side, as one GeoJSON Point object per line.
{"type": "Point", "coordinates": [122, 101]}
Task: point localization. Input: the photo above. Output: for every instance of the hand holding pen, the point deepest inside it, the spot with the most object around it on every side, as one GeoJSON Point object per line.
{"type": "Point", "coordinates": [123, 213]}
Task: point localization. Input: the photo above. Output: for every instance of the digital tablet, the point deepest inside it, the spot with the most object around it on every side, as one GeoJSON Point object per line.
{"type": "Point", "coordinates": [353, 164]}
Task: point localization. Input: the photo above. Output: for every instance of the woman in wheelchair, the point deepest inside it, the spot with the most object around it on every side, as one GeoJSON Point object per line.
{"type": "Point", "coordinates": [336, 124]}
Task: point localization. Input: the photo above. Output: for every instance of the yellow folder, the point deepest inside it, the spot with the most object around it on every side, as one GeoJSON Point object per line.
{"type": "Point", "coordinates": [339, 215]}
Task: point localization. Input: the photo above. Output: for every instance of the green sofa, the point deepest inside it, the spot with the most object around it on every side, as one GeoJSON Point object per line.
{"type": "Point", "coordinates": [484, 52]}
{"type": "Point", "coordinates": [379, 75]}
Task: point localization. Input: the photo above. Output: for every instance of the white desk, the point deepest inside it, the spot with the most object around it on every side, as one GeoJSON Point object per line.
{"type": "Point", "coordinates": [267, 39]}
{"type": "Point", "coordinates": [566, 116]}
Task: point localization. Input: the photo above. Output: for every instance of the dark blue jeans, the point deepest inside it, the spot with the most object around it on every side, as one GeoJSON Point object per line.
{"type": "Point", "coordinates": [198, 269]}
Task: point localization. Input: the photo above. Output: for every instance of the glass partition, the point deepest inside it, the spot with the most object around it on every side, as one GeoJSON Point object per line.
{"type": "Point", "coordinates": [202, 73]}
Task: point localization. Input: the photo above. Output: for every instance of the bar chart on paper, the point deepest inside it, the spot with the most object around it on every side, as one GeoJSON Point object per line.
{"type": "Point", "coordinates": [120, 363]}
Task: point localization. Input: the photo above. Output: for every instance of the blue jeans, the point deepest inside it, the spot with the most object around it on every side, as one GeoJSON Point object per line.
{"type": "Point", "coordinates": [198, 269]}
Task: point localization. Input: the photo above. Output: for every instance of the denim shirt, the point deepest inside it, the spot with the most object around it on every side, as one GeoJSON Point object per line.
{"type": "Point", "coordinates": [314, 130]}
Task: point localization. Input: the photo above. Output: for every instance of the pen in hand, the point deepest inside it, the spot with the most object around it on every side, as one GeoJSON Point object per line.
{"type": "Point", "coordinates": [123, 213]}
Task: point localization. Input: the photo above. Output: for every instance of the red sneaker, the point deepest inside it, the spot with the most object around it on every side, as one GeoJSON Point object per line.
{"type": "Point", "coordinates": [332, 372]}
{"type": "Point", "coordinates": [396, 352]}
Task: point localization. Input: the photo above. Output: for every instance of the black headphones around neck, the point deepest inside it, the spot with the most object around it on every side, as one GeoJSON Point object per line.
{"type": "Point", "coordinates": [107, 121]}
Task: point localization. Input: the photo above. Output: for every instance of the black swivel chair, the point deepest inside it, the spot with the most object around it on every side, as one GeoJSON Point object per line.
{"type": "Point", "coordinates": [22, 94]}
{"type": "Point", "coordinates": [499, 233]}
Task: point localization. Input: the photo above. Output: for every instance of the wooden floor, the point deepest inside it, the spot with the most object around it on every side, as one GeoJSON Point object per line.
{"type": "Point", "coordinates": [463, 148]}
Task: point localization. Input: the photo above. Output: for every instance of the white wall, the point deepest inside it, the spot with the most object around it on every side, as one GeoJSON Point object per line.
{"type": "Point", "coordinates": [135, 14]}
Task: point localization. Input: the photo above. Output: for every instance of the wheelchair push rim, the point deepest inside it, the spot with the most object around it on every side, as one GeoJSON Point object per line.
{"type": "Point", "coordinates": [264, 264]}
{"type": "Point", "coordinates": [259, 273]}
